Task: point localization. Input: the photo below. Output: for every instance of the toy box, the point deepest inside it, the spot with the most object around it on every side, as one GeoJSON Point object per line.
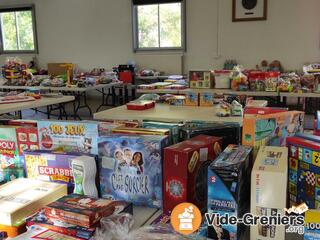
{"type": "Point", "coordinates": [229, 188]}
{"type": "Point", "coordinates": [269, 175]}
{"type": "Point", "coordinates": [185, 170]}
{"type": "Point", "coordinates": [50, 166]}
{"type": "Point", "coordinates": [68, 136]}
{"type": "Point", "coordinates": [80, 210]}
{"type": "Point", "coordinates": [206, 99]}
{"type": "Point", "coordinates": [201, 79]}
{"type": "Point", "coordinates": [131, 168]}
{"type": "Point", "coordinates": [173, 128]}
{"type": "Point", "coordinates": [140, 105]}
{"type": "Point", "coordinates": [13, 231]}
{"type": "Point", "coordinates": [141, 131]}
{"type": "Point", "coordinates": [312, 220]}
{"type": "Point", "coordinates": [57, 225]}
{"type": "Point", "coordinates": [271, 129]}
{"type": "Point", "coordinates": [222, 79]}
{"type": "Point", "coordinates": [22, 197]}
{"type": "Point", "coordinates": [192, 99]}
{"type": "Point", "coordinates": [304, 170]}
{"type": "Point", "coordinates": [230, 132]}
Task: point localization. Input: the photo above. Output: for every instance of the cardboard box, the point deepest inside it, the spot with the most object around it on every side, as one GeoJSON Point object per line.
{"type": "Point", "coordinates": [131, 168]}
{"type": "Point", "coordinates": [222, 79]}
{"type": "Point", "coordinates": [230, 132]}
{"type": "Point", "coordinates": [192, 99]}
{"type": "Point", "coordinates": [185, 169]}
{"type": "Point", "coordinates": [22, 197]}
{"type": "Point", "coordinates": [201, 79]}
{"type": "Point", "coordinates": [50, 166]}
{"type": "Point", "coordinates": [55, 69]}
{"type": "Point", "coordinates": [312, 220]}
{"type": "Point", "coordinates": [141, 131]}
{"type": "Point", "coordinates": [68, 136]}
{"type": "Point", "coordinates": [206, 99]}
{"type": "Point", "coordinates": [269, 175]}
{"type": "Point", "coordinates": [13, 231]}
{"type": "Point", "coordinates": [304, 170]}
{"type": "Point", "coordinates": [80, 210]}
{"type": "Point", "coordinates": [271, 129]}
{"type": "Point", "coordinates": [229, 187]}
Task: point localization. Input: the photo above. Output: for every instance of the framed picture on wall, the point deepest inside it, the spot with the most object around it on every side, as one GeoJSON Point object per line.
{"type": "Point", "coordinates": [249, 10]}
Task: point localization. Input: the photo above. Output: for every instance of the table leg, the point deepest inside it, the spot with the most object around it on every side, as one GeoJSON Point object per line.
{"type": "Point", "coordinates": [48, 111]}
{"type": "Point", "coordinates": [113, 93]}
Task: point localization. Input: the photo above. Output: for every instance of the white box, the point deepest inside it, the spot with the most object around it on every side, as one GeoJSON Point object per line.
{"type": "Point", "coordinates": [269, 190]}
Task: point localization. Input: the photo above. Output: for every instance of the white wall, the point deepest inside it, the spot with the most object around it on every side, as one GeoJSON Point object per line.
{"type": "Point", "coordinates": [98, 33]}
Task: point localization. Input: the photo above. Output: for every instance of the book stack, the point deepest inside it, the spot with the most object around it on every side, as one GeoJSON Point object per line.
{"type": "Point", "coordinates": [77, 215]}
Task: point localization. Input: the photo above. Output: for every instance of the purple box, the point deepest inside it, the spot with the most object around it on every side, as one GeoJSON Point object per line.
{"type": "Point", "coordinates": [50, 166]}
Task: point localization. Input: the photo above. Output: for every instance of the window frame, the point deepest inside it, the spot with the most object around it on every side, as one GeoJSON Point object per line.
{"type": "Point", "coordinates": [135, 31]}
{"type": "Point", "coordinates": [17, 8]}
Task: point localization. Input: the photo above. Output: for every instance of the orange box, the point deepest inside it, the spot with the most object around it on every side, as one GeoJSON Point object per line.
{"type": "Point", "coordinates": [13, 231]}
{"type": "Point", "coordinates": [206, 99]}
{"type": "Point", "coordinates": [192, 99]}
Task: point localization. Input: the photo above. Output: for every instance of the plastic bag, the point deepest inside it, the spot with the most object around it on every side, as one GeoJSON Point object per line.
{"type": "Point", "coordinates": [239, 81]}
{"type": "Point", "coordinates": [117, 227]}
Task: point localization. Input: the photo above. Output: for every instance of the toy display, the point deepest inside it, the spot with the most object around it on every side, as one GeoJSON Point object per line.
{"type": "Point", "coordinates": [222, 79]}
{"type": "Point", "coordinates": [68, 136]}
{"type": "Point", "coordinates": [269, 174]}
{"type": "Point", "coordinates": [185, 170]}
{"type": "Point", "coordinates": [272, 79]}
{"type": "Point", "coordinates": [230, 132]}
{"type": "Point", "coordinates": [192, 99]}
{"type": "Point", "coordinates": [304, 170]}
{"type": "Point", "coordinates": [173, 128]}
{"type": "Point", "coordinates": [239, 81]}
{"type": "Point", "coordinates": [201, 79]}
{"type": "Point", "coordinates": [79, 210]}
{"type": "Point", "coordinates": [257, 81]}
{"type": "Point", "coordinates": [271, 129]}
{"type": "Point", "coordinates": [50, 166]}
{"type": "Point", "coordinates": [229, 188]}
{"type": "Point", "coordinates": [23, 197]}
{"type": "Point", "coordinates": [131, 168]}
{"type": "Point", "coordinates": [206, 99]}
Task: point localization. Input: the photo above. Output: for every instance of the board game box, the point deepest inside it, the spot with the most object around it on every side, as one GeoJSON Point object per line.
{"type": "Point", "coordinates": [185, 169]}
{"type": "Point", "coordinates": [68, 136]}
{"type": "Point", "coordinates": [229, 188]}
{"type": "Point", "coordinates": [192, 99]}
{"type": "Point", "coordinates": [269, 175]}
{"type": "Point", "coordinates": [131, 168]}
{"type": "Point", "coordinates": [173, 127]}
{"type": "Point", "coordinates": [304, 170]}
{"type": "Point", "coordinates": [80, 209]}
{"type": "Point", "coordinates": [22, 197]}
{"type": "Point", "coordinates": [206, 99]}
{"type": "Point", "coordinates": [50, 166]}
{"type": "Point", "coordinates": [56, 224]}
{"type": "Point", "coordinates": [271, 129]}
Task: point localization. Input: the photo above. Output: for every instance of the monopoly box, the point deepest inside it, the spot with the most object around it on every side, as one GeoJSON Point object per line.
{"type": "Point", "coordinates": [271, 129]}
{"type": "Point", "coordinates": [185, 169]}
{"type": "Point", "coordinates": [131, 168]}
{"type": "Point", "coordinates": [304, 170]}
{"type": "Point", "coordinates": [173, 128]}
{"type": "Point", "coordinates": [50, 166]}
{"type": "Point", "coordinates": [68, 136]}
{"type": "Point", "coordinates": [269, 175]}
{"type": "Point", "coordinates": [229, 188]}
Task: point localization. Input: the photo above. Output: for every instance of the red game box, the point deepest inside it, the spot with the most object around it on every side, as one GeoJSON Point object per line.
{"type": "Point", "coordinates": [185, 171]}
{"type": "Point", "coordinates": [140, 105]}
{"type": "Point", "coordinates": [80, 210]}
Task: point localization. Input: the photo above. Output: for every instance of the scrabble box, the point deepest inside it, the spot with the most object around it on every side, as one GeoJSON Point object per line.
{"type": "Point", "coordinates": [229, 188]}
{"type": "Point", "coordinates": [185, 171]}
{"type": "Point", "coordinates": [131, 168]}
{"type": "Point", "coordinates": [304, 170]}
{"type": "Point", "coordinates": [271, 129]}
{"type": "Point", "coordinates": [269, 175]}
{"type": "Point", "coordinates": [68, 136]}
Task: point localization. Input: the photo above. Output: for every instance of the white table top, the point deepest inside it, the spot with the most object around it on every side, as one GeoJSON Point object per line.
{"type": "Point", "coordinates": [71, 89]}
{"type": "Point", "coordinates": [164, 112]}
{"type": "Point", "coordinates": [302, 95]}
{"type": "Point", "coordinates": [12, 107]}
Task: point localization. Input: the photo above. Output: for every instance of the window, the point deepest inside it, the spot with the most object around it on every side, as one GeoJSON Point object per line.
{"type": "Point", "coordinates": [17, 30]}
{"type": "Point", "coordinates": [159, 26]}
